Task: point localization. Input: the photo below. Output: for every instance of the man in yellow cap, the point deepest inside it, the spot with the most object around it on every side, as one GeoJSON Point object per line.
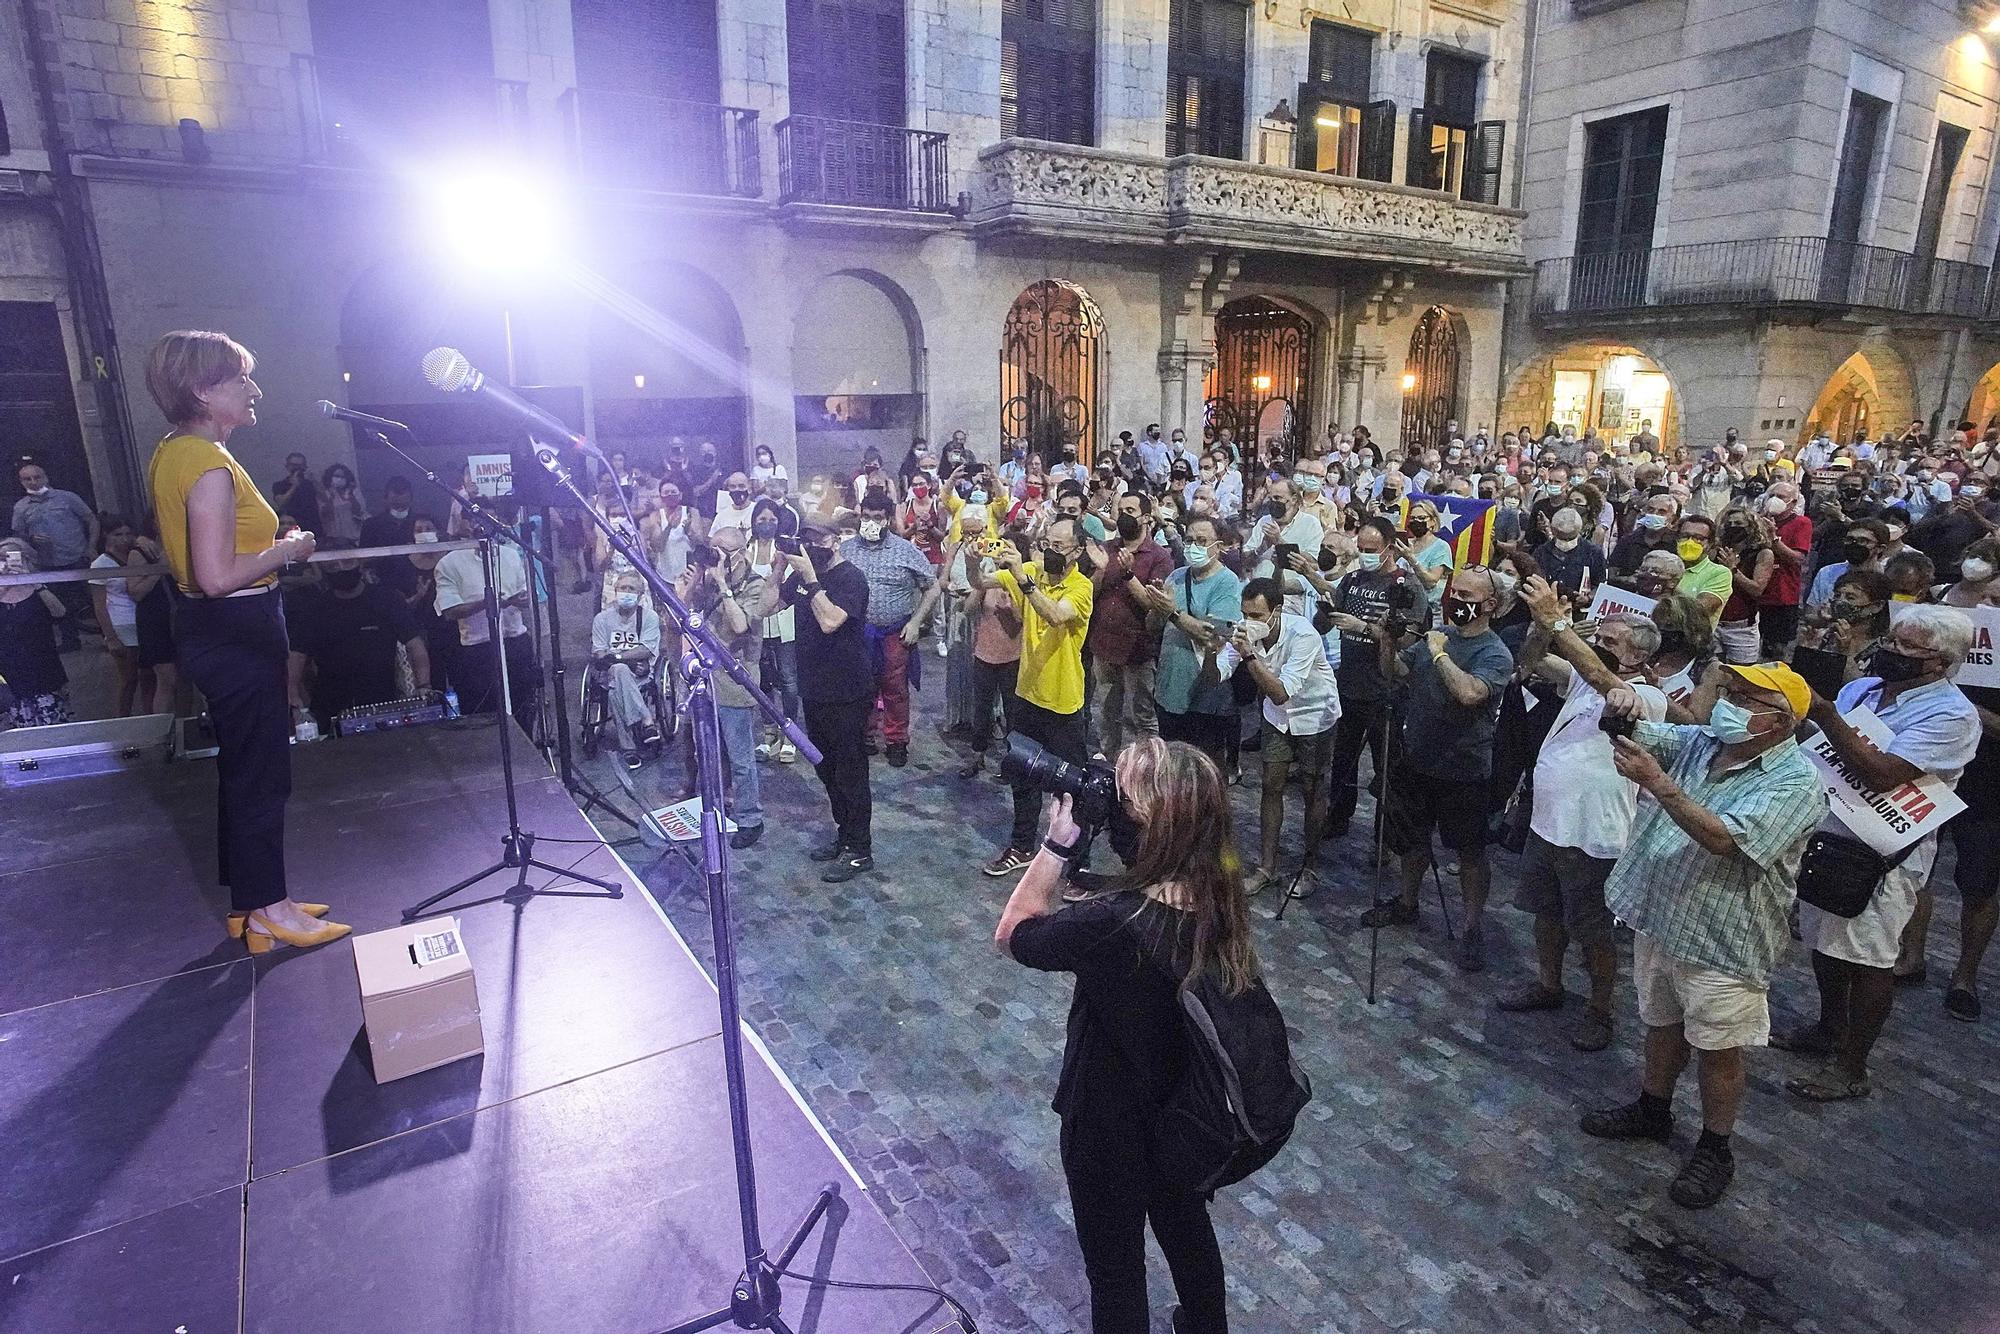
{"type": "Point", "coordinates": [1706, 883]}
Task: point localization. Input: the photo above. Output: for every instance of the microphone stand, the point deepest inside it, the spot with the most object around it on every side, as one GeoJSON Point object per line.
{"type": "Point", "coordinates": [755, 1300]}
{"type": "Point", "coordinates": [517, 846]}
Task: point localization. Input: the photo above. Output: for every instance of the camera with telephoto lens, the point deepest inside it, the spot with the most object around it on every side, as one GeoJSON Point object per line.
{"type": "Point", "coordinates": [1092, 786]}
{"type": "Point", "coordinates": [1406, 600]}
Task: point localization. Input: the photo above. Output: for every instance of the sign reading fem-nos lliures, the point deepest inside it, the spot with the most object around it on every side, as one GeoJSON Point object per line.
{"type": "Point", "coordinates": [1886, 821]}
{"type": "Point", "coordinates": [1982, 661]}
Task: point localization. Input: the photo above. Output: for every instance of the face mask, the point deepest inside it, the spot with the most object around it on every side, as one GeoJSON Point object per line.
{"type": "Point", "coordinates": [740, 497]}
{"type": "Point", "coordinates": [1653, 521]}
{"type": "Point", "coordinates": [821, 557]}
{"type": "Point", "coordinates": [1729, 722]}
{"type": "Point", "coordinates": [403, 513]}
{"type": "Point", "coordinates": [1054, 565]}
{"type": "Point", "coordinates": [1128, 527]}
{"type": "Point", "coordinates": [1896, 532]}
{"type": "Point", "coordinates": [1197, 554]}
{"type": "Point", "coordinates": [920, 492]}
{"type": "Point", "coordinates": [1972, 492]}
{"type": "Point", "coordinates": [1255, 631]}
{"type": "Point", "coordinates": [1857, 553]}
{"type": "Point", "coordinates": [424, 539]}
{"type": "Point", "coordinates": [1419, 527]}
{"type": "Point", "coordinates": [1609, 659]}
{"type": "Point", "coordinates": [1459, 611]}
{"type": "Point", "coordinates": [1978, 571]}
{"type": "Point", "coordinates": [627, 601]}
{"type": "Point", "coordinates": [38, 490]}
{"type": "Point", "coordinates": [1371, 560]}
{"type": "Point", "coordinates": [764, 530]}
{"type": "Point", "coordinates": [1847, 611]}
{"type": "Point", "coordinates": [1691, 549]}
{"type": "Point", "coordinates": [1893, 666]}
{"type": "Point", "coordinates": [871, 530]}
{"type": "Point", "coordinates": [1733, 534]}
{"type": "Point", "coordinates": [343, 581]}
{"type": "Point", "coordinates": [1308, 484]}
{"type": "Point", "coordinates": [1567, 543]}
{"type": "Point", "coordinates": [1776, 505]}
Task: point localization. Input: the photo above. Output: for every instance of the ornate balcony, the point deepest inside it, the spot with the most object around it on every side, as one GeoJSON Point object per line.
{"type": "Point", "coordinates": [1028, 187]}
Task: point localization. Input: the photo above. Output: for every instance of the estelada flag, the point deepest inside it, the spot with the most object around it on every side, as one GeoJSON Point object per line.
{"type": "Point", "coordinates": [1464, 522]}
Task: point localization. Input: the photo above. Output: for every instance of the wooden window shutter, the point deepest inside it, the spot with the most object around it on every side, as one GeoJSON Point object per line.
{"type": "Point", "coordinates": [1484, 158]}
{"type": "Point", "coordinates": [1378, 141]}
{"type": "Point", "coordinates": [1417, 168]}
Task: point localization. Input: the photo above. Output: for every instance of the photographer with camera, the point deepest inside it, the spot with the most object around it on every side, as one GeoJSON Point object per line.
{"type": "Point", "coordinates": [1452, 685]}
{"type": "Point", "coordinates": [1178, 916]}
{"type": "Point", "coordinates": [1583, 807]}
{"type": "Point", "coordinates": [1053, 598]}
{"type": "Point", "coordinates": [838, 692]}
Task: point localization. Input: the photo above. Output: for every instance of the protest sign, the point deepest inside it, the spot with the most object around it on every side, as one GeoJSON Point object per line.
{"type": "Point", "coordinates": [681, 822]}
{"type": "Point", "coordinates": [1611, 600]}
{"type": "Point", "coordinates": [492, 474]}
{"type": "Point", "coordinates": [1886, 821]}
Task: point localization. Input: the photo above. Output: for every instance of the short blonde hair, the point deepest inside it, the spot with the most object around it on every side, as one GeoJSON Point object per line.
{"type": "Point", "coordinates": [186, 363]}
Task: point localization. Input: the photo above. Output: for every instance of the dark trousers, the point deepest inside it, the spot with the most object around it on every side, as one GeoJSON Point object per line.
{"type": "Point", "coordinates": [1208, 733]}
{"type": "Point", "coordinates": [476, 676]}
{"type": "Point", "coordinates": [1060, 734]}
{"type": "Point", "coordinates": [992, 683]}
{"type": "Point", "coordinates": [234, 651]}
{"type": "Point", "coordinates": [1777, 627]}
{"type": "Point", "coordinates": [1364, 723]}
{"type": "Point", "coordinates": [839, 729]}
{"type": "Point", "coordinates": [1114, 1195]}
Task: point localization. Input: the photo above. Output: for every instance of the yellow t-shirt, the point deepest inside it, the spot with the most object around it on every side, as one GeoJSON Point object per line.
{"type": "Point", "coordinates": [954, 505]}
{"type": "Point", "coordinates": [1051, 655]}
{"type": "Point", "coordinates": [178, 462]}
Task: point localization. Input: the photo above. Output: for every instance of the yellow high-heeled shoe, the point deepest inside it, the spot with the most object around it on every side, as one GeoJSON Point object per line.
{"type": "Point", "coordinates": [234, 922]}
{"type": "Point", "coordinates": [261, 935]}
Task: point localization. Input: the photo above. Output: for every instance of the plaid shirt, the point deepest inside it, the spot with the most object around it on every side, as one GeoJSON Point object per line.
{"type": "Point", "coordinates": [1725, 913]}
{"type": "Point", "coordinates": [898, 574]}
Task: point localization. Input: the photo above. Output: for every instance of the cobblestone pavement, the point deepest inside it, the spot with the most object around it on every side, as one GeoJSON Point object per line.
{"type": "Point", "coordinates": [1437, 1181]}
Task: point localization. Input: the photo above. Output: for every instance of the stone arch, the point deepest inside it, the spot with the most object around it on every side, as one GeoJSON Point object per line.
{"type": "Point", "coordinates": [1547, 388]}
{"type": "Point", "coordinates": [1053, 356]}
{"type": "Point", "coordinates": [1271, 368]}
{"type": "Point", "coordinates": [671, 367]}
{"type": "Point", "coordinates": [1870, 391]}
{"type": "Point", "coordinates": [1982, 406]}
{"type": "Point", "coordinates": [857, 371]}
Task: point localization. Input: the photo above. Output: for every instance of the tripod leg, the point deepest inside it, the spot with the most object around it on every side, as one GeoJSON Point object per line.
{"type": "Point", "coordinates": [821, 1203]}
{"type": "Point", "coordinates": [577, 876]}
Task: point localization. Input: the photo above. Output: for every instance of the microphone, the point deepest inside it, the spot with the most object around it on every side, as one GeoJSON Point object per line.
{"type": "Point", "coordinates": [447, 369]}
{"type": "Point", "coordinates": [328, 408]}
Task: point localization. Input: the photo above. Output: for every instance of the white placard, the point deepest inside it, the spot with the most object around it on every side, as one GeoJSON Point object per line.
{"type": "Point", "coordinates": [1982, 663]}
{"type": "Point", "coordinates": [437, 946]}
{"type": "Point", "coordinates": [492, 474]}
{"type": "Point", "coordinates": [1610, 600]}
{"type": "Point", "coordinates": [1886, 821]}
{"type": "Point", "coordinates": [681, 822]}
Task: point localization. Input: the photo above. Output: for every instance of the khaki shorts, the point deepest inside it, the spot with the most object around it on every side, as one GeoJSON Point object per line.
{"type": "Point", "coordinates": [1715, 1010]}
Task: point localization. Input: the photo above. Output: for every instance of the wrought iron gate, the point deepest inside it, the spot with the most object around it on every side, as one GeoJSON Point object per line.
{"type": "Point", "coordinates": [1430, 381]}
{"type": "Point", "coordinates": [1263, 355]}
{"type": "Point", "coordinates": [1051, 366]}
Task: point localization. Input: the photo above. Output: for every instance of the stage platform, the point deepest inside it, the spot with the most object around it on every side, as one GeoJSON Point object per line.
{"type": "Point", "coordinates": [192, 1141]}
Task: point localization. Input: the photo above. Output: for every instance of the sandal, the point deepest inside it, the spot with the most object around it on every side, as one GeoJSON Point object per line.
{"type": "Point", "coordinates": [1829, 1084]}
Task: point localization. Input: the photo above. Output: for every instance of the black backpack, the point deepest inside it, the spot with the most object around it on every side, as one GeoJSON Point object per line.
{"type": "Point", "coordinates": [1236, 1105]}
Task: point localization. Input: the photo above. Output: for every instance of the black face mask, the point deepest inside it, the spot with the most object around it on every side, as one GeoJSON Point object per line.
{"type": "Point", "coordinates": [1857, 553]}
{"type": "Point", "coordinates": [1419, 527]}
{"type": "Point", "coordinates": [739, 496]}
{"type": "Point", "coordinates": [1895, 667]}
{"type": "Point", "coordinates": [1128, 528]}
{"type": "Point", "coordinates": [765, 530]}
{"type": "Point", "coordinates": [1460, 612]}
{"type": "Point", "coordinates": [343, 581]}
{"type": "Point", "coordinates": [1734, 535]}
{"type": "Point", "coordinates": [1054, 565]}
{"type": "Point", "coordinates": [1609, 659]}
{"type": "Point", "coordinates": [1851, 497]}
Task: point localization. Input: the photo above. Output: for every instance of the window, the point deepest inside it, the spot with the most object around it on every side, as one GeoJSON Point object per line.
{"type": "Point", "coordinates": [1946, 152]}
{"type": "Point", "coordinates": [1449, 149]}
{"type": "Point", "coordinates": [1205, 50]}
{"type": "Point", "coordinates": [1048, 61]}
{"type": "Point", "coordinates": [1340, 130]}
{"type": "Point", "coordinates": [845, 59]}
{"type": "Point", "coordinates": [654, 48]}
{"type": "Point", "coordinates": [1622, 158]}
{"type": "Point", "coordinates": [1856, 175]}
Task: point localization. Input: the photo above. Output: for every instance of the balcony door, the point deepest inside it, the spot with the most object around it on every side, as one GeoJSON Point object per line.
{"type": "Point", "coordinates": [846, 60]}
{"type": "Point", "coordinates": [1853, 184]}
{"type": "Point", "coordinates": [1206, 46]}
{"type": "Point", "coordinates": [1048, 63]}
{"type": "Point", "coordinates": [1617, 209]}
{"type": "Point", "coordinates": [649, 78]}
{"type": "Point", "coordinates": [403, 77]}
{"type": "Point", "coordinates": [1342, 130]}
{"type": "Point", "coordinates": [1450, 149]}
{"type": "Point", "coordinates": [1946, 151]}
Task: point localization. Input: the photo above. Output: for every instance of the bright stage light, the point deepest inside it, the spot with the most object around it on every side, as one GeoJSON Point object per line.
{"type": "Point", "coordinates": [492, 222]}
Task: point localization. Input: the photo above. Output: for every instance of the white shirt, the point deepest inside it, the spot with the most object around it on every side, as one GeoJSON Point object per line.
{"type": "Point", "coordinates": [461, 579]}
{"type": "Point", "coordinates": [1299, 662]}
{"type": "Point", "coordinates": [728, 514]}
{"type": "Point", "coordinates": [761, 474]}
{"type": "Point", "coordinates": [118, 604]}
{"type": "Point", "coordinates": [1304, 531]}
{"type": "Point", "coordinates": [1581, 801]}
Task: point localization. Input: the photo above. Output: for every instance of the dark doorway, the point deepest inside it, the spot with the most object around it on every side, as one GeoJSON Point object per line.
{"type": "Point", "coordinates": [1430, 381]}
{"type": "Point", "coordinates": [1617, 208]}
{"type": "Point", "coordinates": [38, 403]}
{"type": "Point", "coordinates": [1852, 185]}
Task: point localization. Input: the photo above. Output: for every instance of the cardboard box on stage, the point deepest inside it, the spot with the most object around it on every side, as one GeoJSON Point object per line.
{"type": "Point", "coordinates": [419, 1004]}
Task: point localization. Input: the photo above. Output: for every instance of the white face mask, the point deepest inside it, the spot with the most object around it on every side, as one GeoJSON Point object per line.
{"type": "Point", "coordinates": [627, 601]}
{"type": "Point", "coordinates": [1255, 631]}
{"type": "Point", "coordinates": [424, 538]}
{"type": "Point", "coordinates": [1776, 505]}
{"type": "Point", "coordinates": [871, 530]}
{"type": "Point", "coordinates": [41, 490]}
{"type": "Point", "coordinates": [1978, 571]}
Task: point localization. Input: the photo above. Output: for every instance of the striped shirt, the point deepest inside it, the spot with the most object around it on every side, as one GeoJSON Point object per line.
{"type": "Point", "coordinates": [1725, 913]}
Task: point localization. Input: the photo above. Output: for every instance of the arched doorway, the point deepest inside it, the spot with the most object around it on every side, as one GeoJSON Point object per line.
{"type": "Point", "coordinates": [856, 373]}
{"type": "Point", "coordinates": [1850, 404]}
{"type": "Point", "coordinates": [1431, 380]}
{"type": "Point", "coordinates": [1052, 369]}
{"type": "Point", "coordinates": [1983, 408]}
{"type": "Point", "coordinates": [1613, 389]}
{"type": "Point", "coordinates": [1261, 384]}
{"type": "Point", "coordinates": [676, 371]}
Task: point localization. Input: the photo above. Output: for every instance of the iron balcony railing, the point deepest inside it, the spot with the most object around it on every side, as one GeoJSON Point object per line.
{"type": "Point", "coordinates": [1780, 271]}
{"type": "Point", "coordinates": [357, 111]}
{"type": "Point", "coordinates": [823, 161]}
{"type": "Point", "coordinates": [663, 143]}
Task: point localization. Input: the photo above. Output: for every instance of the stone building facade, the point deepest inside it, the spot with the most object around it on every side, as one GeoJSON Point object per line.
{"type": "Point", "coordinates": [1779, 218]}
{"type": "Point", "coordinates": [811, 224]}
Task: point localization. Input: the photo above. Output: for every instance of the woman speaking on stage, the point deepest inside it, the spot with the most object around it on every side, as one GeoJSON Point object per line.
{"type": "Point", "coordinates": [221, 539]}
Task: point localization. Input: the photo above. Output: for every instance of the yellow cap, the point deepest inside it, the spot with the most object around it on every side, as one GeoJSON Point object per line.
{"type": "Point", "coordinates": [1784, 465]}
{"type": "Point", "coordinates": [1779, 679]}
{"type": "Point", "coordinates": [1842, 462]}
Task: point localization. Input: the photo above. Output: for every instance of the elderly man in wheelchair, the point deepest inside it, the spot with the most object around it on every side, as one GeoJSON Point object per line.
{"type": "Point", "coordinates": [622, 688]}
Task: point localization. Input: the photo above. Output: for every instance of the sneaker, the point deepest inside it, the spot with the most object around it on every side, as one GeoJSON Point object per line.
{"type": "Point", "coordinates": [787, 752]}
{"type": "Point", "coordinates": [1704, 1179]}
{"type": "Point", "coordinates": [826, 852]}
{"type": "Point", "coordinates": [971, 768]}
{"type": "Point", "coordinates": [899, 754]}
{"type": "Point", "coordinates": [1009, 861]}
{"type": "Point", "coordinates": [1628, 1121]}
{"type": "Point", "coordinates": [1304, 885]}
{"type": "Point", "coordinates": [871, 748]}
{"type": "Point", "coordinates": [1257, 881]}
{"type": "Point", "coordinates": [847, 867]}
{"type": "Point", "coordinates": [1393, 913]}
{"type": "Point", "coordinates": [1593, 1031]}
{"type": "Point", "coordinates": [1962, 1003]}
{"type": "Point", "coordinates": [1471, 953]}
{"type": "Point", "coordinates": [765, 750]}
{"type": "Point", "coordinates": [1534, 996]}
{"type": "Point", "coordinates": [746, 837]}
{"type": "Point", "coordinates": [632, 760]}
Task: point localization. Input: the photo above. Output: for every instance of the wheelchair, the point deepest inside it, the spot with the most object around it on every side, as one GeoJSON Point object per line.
{"type": "Point", "coordinates": [594, 709]}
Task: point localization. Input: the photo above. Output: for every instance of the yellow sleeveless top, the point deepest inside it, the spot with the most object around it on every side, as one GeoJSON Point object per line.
{"type": "Point", "coordinates": [178, 462]}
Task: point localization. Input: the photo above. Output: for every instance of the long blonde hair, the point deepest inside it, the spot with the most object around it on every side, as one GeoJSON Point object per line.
{"type": "Point", "coordinates": [1177, 797]}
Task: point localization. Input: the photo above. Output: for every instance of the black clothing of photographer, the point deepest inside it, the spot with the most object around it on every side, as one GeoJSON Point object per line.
{"type": "Point", "coordinates": [1361, 598]}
